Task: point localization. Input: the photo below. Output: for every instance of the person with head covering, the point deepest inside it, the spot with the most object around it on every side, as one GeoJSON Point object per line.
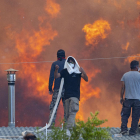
{"type": "Point", "coordinates": [131, 88]}
{"type": "Point", "coordinates": [72, 74]}
{"type": "Point", "coordinates": [54, 91]}
{"type": "Point", "coordinates": [30, 136]}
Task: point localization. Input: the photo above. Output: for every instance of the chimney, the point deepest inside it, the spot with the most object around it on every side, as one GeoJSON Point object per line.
{"type": "Point", "coordinates": [11, 78]}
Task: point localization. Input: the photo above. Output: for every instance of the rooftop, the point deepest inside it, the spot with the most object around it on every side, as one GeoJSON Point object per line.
{"type": "Point", "coordinates": [15, 133]}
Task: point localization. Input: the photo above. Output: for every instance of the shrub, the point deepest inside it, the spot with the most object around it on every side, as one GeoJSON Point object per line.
{"type": "Point", "coordinates": [89, 130]}
{"type": "Point", "coordinates": [58, 134]}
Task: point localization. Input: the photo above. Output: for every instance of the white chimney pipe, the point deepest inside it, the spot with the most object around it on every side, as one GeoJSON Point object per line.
{"type": "Point", "coordinates": [11, 78]}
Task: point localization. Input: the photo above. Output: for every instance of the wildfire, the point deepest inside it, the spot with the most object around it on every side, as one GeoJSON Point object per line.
{"type": "Point", "coordinates": [138, 4]}
{"type": "Point", "coordinates": [88, 92]}
{"type": "Point", "coordinates": [34, 31]}
{"type": "Point", "coordinates": [135, 23]}
{"type": "Point", "coordinates": [30, 44]}
{"type": "Point", "coordinates": [126, 46]}
{"type": "Point", "coordinates": [52, 8]}
{"type": "Point", "coordinates": [97, 31]}
{"type": "Point", "coordinates": [129, 59]}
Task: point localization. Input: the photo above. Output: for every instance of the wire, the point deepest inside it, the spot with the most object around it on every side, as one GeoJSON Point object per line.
{"type": "Point", "coordinates": [77, 60]}
{"type": "Point", "coordinates": [108, 58]}
{"type": "Point", "coordinates": [26, 62]}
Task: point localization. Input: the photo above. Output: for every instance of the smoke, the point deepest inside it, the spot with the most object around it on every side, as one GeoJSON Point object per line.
{"type": "Point", "coordinates": [33, 31]}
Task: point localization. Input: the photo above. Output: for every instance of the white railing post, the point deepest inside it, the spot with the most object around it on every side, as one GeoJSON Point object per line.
{"type": "Point", "coordinates": [62, 126]}
{"type": "Point", "coordinates": [46, 131]}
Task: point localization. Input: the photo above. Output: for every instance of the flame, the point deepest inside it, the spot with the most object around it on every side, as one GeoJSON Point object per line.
{"type": "Point", "coordinates": [138, 4]}
{"type": "Point", "coordinates": [87, 92]}
{"type": "Point", "coordinates": [97, 31]}
{"type": "Point", "coordinates": [126, 46]}
{"type": "Point", "coordinates": [52, 8]}
{"type": "Point", "coordinates": [29, 47]}
{"type": "Point", "coordinates": [30, 44]}
{"type": "Point", "coordinates": [134, 57]}
{"type": "Point", "coordinates": [34, 33]}
{"type": "Point", "coordinates": [135, 23]}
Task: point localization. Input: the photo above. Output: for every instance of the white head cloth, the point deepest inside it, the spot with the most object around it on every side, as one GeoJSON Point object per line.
{"type": "Point", "coordinates": [70, 69]}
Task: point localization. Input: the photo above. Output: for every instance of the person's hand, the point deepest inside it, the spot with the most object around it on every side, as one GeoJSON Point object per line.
{"type": "Point", "coordinates": [56, 67]}
{"type": "Point", "coordinates": [50, 92]}
{"type": "Point", "coordinates": [121, 101]}
{"type": "Point", "coordinates": [81, 70]}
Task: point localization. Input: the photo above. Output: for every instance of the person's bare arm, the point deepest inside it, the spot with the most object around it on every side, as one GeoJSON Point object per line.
{"type": "Point", "coordinates": [122, 93]}
{"type": "Point", "coordinates": [83, 75]}
{"type": "Point", "coordinates": [56, 74]}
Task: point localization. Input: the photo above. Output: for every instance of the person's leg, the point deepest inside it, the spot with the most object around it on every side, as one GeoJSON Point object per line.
{"type": "Point", "coordinates": [66, 108]}
{"type": "Point", "coordinates": [135, 117]}
{"type": "Point", "coordinates": [54, 98]}
{"type": "Point", "coordinates": [73, 109]}
{"type": "Point", "coordinates": [63, 100]}
{"type": "Point", "coordinates": [125, 113]}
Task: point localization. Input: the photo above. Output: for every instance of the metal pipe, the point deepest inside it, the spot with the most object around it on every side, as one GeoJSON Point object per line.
{"type": "Point", "coordinates": [11, 78]}
{"type": "Point", "coordinates": [11, 99]}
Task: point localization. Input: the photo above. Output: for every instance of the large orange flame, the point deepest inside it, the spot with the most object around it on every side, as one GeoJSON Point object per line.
{"type": "Point", "coordinates": [97, 31]}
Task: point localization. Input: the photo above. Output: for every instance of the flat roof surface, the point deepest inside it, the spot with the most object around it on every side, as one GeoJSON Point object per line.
{"type": "Point", "coordinates": [13, 133]}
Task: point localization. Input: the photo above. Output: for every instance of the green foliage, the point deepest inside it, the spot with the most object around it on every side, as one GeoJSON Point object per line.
{"type": "Point", "coordinates": [58, 134]}
{"type": "Point", "coordinates": [75, 133]}
{"type": "Point", "coordinates": [89, 130]}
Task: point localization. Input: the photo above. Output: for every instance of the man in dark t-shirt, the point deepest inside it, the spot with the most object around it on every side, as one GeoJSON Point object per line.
{"type": "Point", "coordinates": [72, 89]}
{"type": "Point", "coordinates": [71, 84]}
{"type": "Point", "coordinates": [54, 92]}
